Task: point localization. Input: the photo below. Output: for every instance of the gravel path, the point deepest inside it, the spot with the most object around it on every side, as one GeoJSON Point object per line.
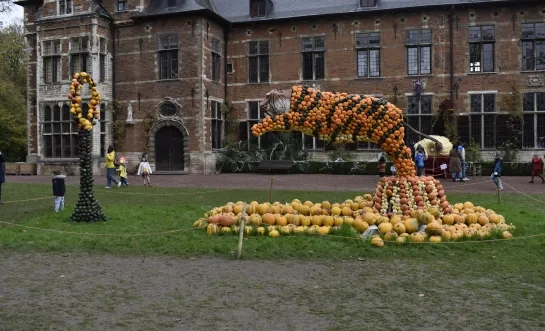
{"type": "Point", "coordinates": [98, 292]}
{"type": "Point", "coordinates": [480, 184]}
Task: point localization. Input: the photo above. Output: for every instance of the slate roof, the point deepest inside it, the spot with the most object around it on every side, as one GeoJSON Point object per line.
{"type": "Point", "coordinates": [237, 11]}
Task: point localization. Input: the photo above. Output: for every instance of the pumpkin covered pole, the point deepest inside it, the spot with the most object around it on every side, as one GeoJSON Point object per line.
{"type": "Point", "coordinates": [241, 232]}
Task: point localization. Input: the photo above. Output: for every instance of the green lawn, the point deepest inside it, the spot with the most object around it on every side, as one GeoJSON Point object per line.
{"type": "Point", "coordinates": [148, 210]}
{"type": "Point", "coordinates": [486, 285]}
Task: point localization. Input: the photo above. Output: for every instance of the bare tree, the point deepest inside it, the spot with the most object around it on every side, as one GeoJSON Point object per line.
{"type": "Point", "coordinates": [5, 5]}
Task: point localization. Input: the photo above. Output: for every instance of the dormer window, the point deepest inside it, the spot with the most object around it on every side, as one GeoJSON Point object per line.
{"type": "Point", "coordinates": [65, 7]}
{"type": "Point", "coordinates": [368, 3]}
{"type": "Point", "coordinates": [257, 8]}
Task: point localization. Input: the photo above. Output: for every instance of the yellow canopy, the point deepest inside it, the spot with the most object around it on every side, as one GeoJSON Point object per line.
{"type": "Point", "coordinates": [429, 146]}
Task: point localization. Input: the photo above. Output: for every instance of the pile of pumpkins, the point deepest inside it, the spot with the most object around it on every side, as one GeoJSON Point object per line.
{"type": "Point", "coordinates": [466, 221]}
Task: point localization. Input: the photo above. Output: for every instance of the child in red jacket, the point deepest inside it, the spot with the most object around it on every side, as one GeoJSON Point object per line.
{"type": "Point", "coordinates": [537, 168]}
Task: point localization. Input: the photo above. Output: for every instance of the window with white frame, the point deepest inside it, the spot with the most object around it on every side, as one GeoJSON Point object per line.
{"type": "Point", "coordinates": [216, 59]}
{"type": "Point", "coordinates": [52, 61]}
{"type": "Point", "coordinates": [122, 5]}
{"type": "Point", "coordinates": [419, 115]}
{"type": "Point", "coordinates": [59, 133]}
{"type": "Point", "coordinates": [368, 54]}
{"type": "Point", "coordinates": [258, 61]}
{"type": "Point", "coordinates": [419, 52]}
{"type": "Point", "coordinates": [481, 48]}
{"type": "Point", "coordinates": [102, 59]}
{"type": "Point", "coordinates": [483, 119]}
{"type": "Point", "coordinates": [216, 124]}
{"type": "Point", "coordinates": [65, 7]}
{"type": "Point", "coordinates": [313, 57]}
{"type": "Point", "coordinates": [256, 115]}
{"type": "Point", "coordinates": [533, 46]}
{"type": "Point", "coordinates": [533, 135]}
{"type": "Point", "coordinates": [80, 61]}
{"type": "Point", "coordinates": [167, 54]}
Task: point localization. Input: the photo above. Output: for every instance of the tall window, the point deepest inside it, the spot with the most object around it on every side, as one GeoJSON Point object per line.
{"type": "Point", "coordinates": [65, 7]}
{"type": "Point", "coordinates": [368, 54]}
{"type": "Point", "coordinates": [102, 59]}
{"type": "Point", "coordinates": [257, 8]}
{"type": "Point", "coordinates": [419, 52]}
{"type": "Point", "coordinates": [122, 5]}
{"type": "Point", "coordinates": [533, 46]}
{"type": "Point", "coordinates": [258, 61]}
{"type": "Point", "coordinates": [481, 48]}
{"type": "Point", "coordinates": [534, 120]}
{"type": "Point", "coordinates": [216, 124]}
{"type": "Point", "coordinates": [102, 130]}
{"type": "Point", "coordinates": [79, 55]}
{"type": "Point", "coordinates": [483, 120]}
{"type": "Point", "coordinates": [313, 58]}
{"type": "Point", "coordinates": [216, 60]}
{"type": "Point", "coordinates": [52, 61]}
{"type": "Point", "coordinates": [255, 115]}
{"type": "Point", "coordinates": [419, 115]}
{"type": "Point", "coordinates": [59, 133]}
{"type": "Point", "coordinates": [167, 54]}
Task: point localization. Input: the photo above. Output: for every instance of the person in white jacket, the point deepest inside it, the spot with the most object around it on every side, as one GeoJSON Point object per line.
{"type": "Point", "coordinates": [464, 166]}
{"type": "Point", "coordinates": [144, 170]}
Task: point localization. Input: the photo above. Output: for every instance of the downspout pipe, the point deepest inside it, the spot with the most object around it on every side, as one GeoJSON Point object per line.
{"type": "Point", "coordinates": [451, 51]}
{"type": "Point", "coordinates": [225, 41]}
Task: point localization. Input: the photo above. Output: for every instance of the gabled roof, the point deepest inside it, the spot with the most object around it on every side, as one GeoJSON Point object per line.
{"type": "Point", "coordinates": [237, 11]}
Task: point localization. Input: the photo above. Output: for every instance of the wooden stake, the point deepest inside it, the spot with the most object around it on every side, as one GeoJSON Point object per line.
{"type": "Point", "coordinates": [270, 191]}
{"type": "Point", "coordinates": [241, 232]}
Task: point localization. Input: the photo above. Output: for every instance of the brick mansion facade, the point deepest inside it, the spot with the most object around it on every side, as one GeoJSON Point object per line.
{"type": "Point", "coordinates": [165, 67]}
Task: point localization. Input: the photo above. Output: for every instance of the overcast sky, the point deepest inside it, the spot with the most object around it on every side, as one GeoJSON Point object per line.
{"type": "Point", "coordinates": [15, 14]}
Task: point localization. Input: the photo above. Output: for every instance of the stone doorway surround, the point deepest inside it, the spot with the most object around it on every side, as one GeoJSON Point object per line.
{"type": "Point", "coordinates": [173, 119]}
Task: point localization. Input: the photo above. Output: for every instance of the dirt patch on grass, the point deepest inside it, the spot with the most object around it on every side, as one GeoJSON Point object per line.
{"type": "Point", "coordinates": [101, 292]}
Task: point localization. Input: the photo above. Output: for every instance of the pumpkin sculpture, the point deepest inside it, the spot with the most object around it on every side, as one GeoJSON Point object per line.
{"type": "Point", "coordinates": [87, 208]}
{"type": "Point", "coordinates": [341, 118]}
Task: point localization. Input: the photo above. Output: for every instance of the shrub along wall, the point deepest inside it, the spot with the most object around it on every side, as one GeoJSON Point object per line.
{"type": "Point", "coordinates": [360, 168]}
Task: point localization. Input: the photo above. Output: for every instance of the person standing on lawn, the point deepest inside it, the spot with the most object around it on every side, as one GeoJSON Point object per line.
{"type": "Point", "coordinates": [2, 173]}
{"type": "Point", "coordinates": [537, 168]}
{"type": "Point", "coordinates": [59, 189]}
{"type": "Point", "coordinates": [110, 168]}
{"type": "Point", "coordinates": [496, 173]}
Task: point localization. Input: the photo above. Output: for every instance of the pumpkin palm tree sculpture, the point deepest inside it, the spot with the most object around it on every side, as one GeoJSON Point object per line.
{"type": "Point", "coordinates": [87, 208]}
{"type": "Point", "coordinates": [345, 118]}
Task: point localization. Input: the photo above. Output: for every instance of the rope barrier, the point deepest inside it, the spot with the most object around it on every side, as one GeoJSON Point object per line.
{"type": "Point", "coordinates": [26, 200]}
{"type": "Point", "coordinates": [98, 234]}
{"type": "Point", "coordinates": [526, 195]}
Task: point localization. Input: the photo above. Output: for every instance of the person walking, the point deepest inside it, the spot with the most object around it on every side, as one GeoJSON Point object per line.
{"type": "Point", "coordinates": [420, 157]}
{"type": "Point", "coordinates": [537, 168]}
{"type": "Point", "coordinates": [122, 172]}
{"type": "Point", "coordinates": [144, 170]}
{"type": "Point", "coordinates": [59, 189]}
{"type": "Point", "coordinates": [462, 151]}
{"type": "Point", "coordinates": [496, 173]}
{"type": "Point", "coordinates": [110, 168]}
{"type": "Point", "coordinates": [455, 164]}
{"type": "Point", "coordinates": [2, 173]}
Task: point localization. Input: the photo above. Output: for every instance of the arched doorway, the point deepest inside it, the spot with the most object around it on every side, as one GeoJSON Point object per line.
{"type": "Point", "coordinates": [169, 149]}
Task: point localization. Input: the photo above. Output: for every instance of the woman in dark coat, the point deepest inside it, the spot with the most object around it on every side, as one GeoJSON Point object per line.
{"type": "Point", "coordinates": [455, 164]}
{"type": "Point", "coordinates": [2, 173]}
